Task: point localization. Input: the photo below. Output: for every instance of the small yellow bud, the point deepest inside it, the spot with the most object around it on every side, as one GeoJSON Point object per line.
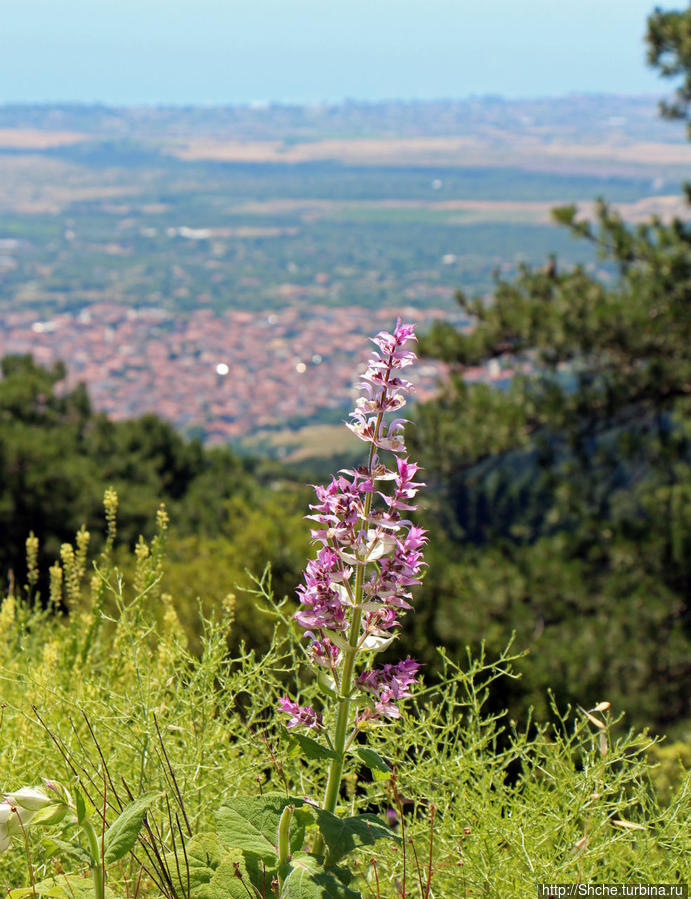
{"type": "Point", "coordinates": [83, 537]}
{"type": "Point", "coordinates": [141, 550]}
{"type": "Point", "coordinates": [142, 572]}
{"type": "Point", "coordinates": [32, 559]}
{"type": "Point", "coordinates": [228, 604]}
{"type": "Point", "coordinates": [7, 613]}
{"type": "Point", "coordinates": [110, 504]}
{"type": "Point", "coordinates": [55, 572]}
{"type": "Point", "coordinates": [162, 519]}
{"type": "Point", "coordinates": [69, 564]}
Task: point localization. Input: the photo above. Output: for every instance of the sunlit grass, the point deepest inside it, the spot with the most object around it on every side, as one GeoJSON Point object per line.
{"type": "Point", "coordinates": [100, 696]}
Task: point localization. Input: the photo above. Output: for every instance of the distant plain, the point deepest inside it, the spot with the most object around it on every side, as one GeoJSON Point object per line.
{"type": "Point", "coordinates": [371, 205]}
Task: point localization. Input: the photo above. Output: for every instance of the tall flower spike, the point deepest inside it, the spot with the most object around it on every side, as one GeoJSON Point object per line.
{"type": "Point", "coordinates": [369, 558]}
{"type": "Point", "coordinates": [384, 391]}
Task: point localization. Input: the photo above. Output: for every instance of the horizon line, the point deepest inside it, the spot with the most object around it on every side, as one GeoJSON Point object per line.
{"type": "Point", "coordinates": [259, 105]}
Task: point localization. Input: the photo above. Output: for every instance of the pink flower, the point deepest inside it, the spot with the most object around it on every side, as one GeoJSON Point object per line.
{"type": "Point", "coordinates": [300, 716]}
{"type": "Point", "coordinates": [325, 653]}
{"type": "Point", "coordinates": [388, 685]}
{"type": "Point", "coordinates": [320, 597]}
{"type": "Point", "coordinates": [370, 555]}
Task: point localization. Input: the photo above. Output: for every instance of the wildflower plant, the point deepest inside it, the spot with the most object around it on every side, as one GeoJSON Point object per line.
{"type": "Point", "coordinates": [356, 590]}
{"type": "Point", "coordinates": [369, 558]}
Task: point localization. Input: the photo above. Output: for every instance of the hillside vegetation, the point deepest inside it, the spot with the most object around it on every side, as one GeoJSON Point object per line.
{"type": "Point", "coordinates": [190, 707]}
{"type": "Point", "coordinates": [109, 699]}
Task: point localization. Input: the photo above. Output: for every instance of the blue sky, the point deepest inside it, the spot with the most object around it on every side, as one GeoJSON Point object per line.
{"type": "Point", "coordinates": [307, 51]}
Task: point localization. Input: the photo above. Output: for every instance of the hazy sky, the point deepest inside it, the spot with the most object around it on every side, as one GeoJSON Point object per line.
{"type": "Point", "coordinates": [229, 51]}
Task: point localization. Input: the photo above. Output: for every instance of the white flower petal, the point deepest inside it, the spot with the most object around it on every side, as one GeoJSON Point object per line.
{"type": "Point", "coordinates": [373, 643]}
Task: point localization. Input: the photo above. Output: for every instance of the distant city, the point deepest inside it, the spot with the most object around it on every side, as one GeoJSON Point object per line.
{"type": "Point", "coordinates": [219, 378]}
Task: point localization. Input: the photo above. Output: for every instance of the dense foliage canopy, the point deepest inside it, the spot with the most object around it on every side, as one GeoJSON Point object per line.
{"type": "Point", "coordinates": [564, 497]}
{"type": "Point", "coordinates": [57, 457]}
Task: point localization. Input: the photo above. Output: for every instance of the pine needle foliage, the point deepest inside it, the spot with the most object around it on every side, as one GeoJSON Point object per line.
{"type": "Point", "coordinates": [565, 488]}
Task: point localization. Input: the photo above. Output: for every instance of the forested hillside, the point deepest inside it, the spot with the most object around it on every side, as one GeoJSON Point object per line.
{"type": "Point", "coordinates": [564, 500]}
{"type": "Point", "coordinates": [57, 458]}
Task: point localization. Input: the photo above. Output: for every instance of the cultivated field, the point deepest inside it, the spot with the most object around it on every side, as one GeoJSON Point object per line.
{"type": "Point", "coordinates": [533, 154]}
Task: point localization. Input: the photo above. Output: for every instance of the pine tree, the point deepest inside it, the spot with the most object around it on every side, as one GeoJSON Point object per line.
{"type": "Point", "coordinates": [565, 497]}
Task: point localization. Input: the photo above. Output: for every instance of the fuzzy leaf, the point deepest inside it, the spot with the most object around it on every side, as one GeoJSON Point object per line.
{"type": "Point", "coordinates": [203, 854]}
{"type": "Point", "coordinates": [212, 870]}
{"type": "Point", "coordinates": [65, 850]}
{"type": "Point", "coordinates": [310, 880]}
{"type": "Point", "coordinates": [302, 818]}
{"type": "Point", "coordinates": [226, 882]}
{"type": "Point", "coordinates": [309, 747]}
{"type": "Point", "coordinates": [342, 835]}
{"type": "Point", "coordinates": [250, 824]}
{"type": "Point", "coordinates": [372, 759]}
{"type": "Point", "coordinates": [122, 834]}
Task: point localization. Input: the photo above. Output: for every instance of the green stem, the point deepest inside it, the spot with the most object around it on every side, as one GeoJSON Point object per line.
{"type": "Point", "coordinates": [342, 718]}
{"type": "Point", "coordinates": [96, 860]}
{"type": "Point", "coordinates": [333, 782]}
{"type": "Point", "coordinates": [28, 854]}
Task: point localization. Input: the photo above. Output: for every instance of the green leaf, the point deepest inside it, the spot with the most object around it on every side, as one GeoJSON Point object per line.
{"type": "Point", "coordinates": [309, 747]}
{"type": "Point", "coordinates": [212, 870]}
{"type": "Point", "coordinates": [226, 882]}
{"type": "Point", "coordinates": [51, 814]}
{"type": "Point", "coordinates": [310, 880]}
{"type": "Point", "coordinates": [260, 874]}
{"type": "Point", "coordinates": [250, 824]}
{"type": "Point", "coordinates": [342, 835]}
{"type": "Point", "coordinates": [373, 760]}
{"type": "Point", "coordinates": [29, 892]}
{"type": "Point", "coordinates": [65, 850]}
{"type": "Point", "coordinates": [64, 887]}
{"type": "Point", "coordinates": [122, 834]}
{"type": "Point", "coordinates": [302, 818]}
{"type": "Point", "coordinates": [201, 858]}
{"type": "Point", "coordinates": [326, 684]}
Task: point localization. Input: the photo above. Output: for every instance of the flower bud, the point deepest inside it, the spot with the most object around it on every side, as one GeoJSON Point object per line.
{"type": "Point", "coordinates": [12, 819]}
{"type": "Point", "coordinates": [29, 798]}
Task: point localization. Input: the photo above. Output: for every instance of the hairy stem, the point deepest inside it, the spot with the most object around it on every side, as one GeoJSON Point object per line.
{"type": "Point", "coordinates": [283, 842]}
{"type": "Point", "coordinates": [96, 860]}
{"type": "Point", "coordinates": [333, 782]}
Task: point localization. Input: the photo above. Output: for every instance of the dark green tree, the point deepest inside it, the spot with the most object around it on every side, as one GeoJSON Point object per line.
{"type": "Point", "coordinates": [563, 500]}
{"type": "Point", "coordinates": [45, 482]}
{"type": "Point", "coordinates": [669, 50]}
